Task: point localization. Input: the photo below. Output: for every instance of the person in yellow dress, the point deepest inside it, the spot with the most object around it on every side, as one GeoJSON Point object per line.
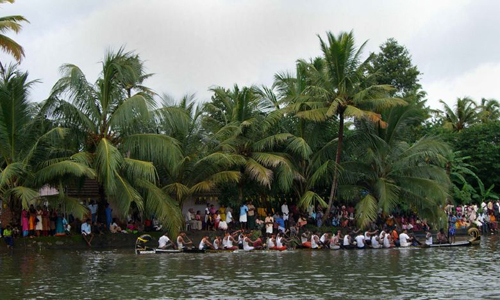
{"type": "Point", "coordinates": [222, 211]}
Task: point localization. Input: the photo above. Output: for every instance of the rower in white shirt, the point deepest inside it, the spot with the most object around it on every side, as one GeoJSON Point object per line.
{"type": "Point", "coordinates": [164, 242]}
{"type": "Point", "coordinates": [360, 241]}
{"type": "Point", "coordinates": [428, 238]}
{"type": "Point", "coordinates": [315, 241]}
{"type": "Point", "coordinates": [404, 239]}
{"type": "Point", "coordinates": [375, 242]}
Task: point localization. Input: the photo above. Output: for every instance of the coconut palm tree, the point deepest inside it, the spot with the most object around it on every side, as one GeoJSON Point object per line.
{"type": "Point", "coordinates": [311, 143]}
{"type": "Point", "coordinates": [11, 23]}
{"type": "Point", "coordinates": [489, 110]}
{"type": "Point", "coordinates": [338, 87]}
{"type": "Point", "coordinates": [32, 150]}
{"type": "Point", "coordinates": [242, 142]}
{"type": "Point", "coordinates": [118, 133]}
{"type": "Point", "coordinates": [389, 172]}
{"type": "Point", "coordinates": [195, 172]}
{"type": "Point", "coordinates": [461, 116]}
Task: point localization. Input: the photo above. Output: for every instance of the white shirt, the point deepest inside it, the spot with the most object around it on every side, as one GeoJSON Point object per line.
{"type": "Point", "coordinates": [223, 225]}
{"type": "Point", "coordinates": [179, 243]}
{"type": "Point", "coordinates": [202, 244]}
{"type": "Point", "coordinates": [229, 217]}
{"type": "Point", "coordinates": [323, 238]}
{"type": "Point", "coordinates": [216, 244]}
{"type": "Point", "coordinates": [346, 240]}
{"type": "Point", "coordinates": [246, 246]}
{"type": "Point", "coordinates": [270, 243]}
{"type": "Point", "coordinates": [314, 245]}
{"type": "Point", "coordinates": [360, 240]}
{"type": "Point", "coordinates": [387, 244]}
{"type": "Point", "coordinates": [284, 209]}
{"type": "Point", "coordinates": [403, 240]}
{"type": "Point", "coordinates": [229, 242]}
{"type": "Point", "coordinates": [93, 208]}
{"type": "Point", "coordinates": [428, 239]}
{"type": "Point", "coordinates": [278, 242]}
{"type": "Point", "coordinates": [162, 242]}
{"type": "Point", "coordinates": [375, 243]}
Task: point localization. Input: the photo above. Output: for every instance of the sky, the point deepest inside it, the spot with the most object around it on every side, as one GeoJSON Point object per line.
{"type": "Point", "coordinates": [191, 46]}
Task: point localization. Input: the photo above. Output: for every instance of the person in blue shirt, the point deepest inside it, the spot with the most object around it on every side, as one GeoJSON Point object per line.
{"type": "Point", "coordinates": [243, 216]}
{"type": "Point", "coordinates": [87, 232]}
{"type": "Point", "coordinates": [109, 215]}
{"type": "Point", "coordinates": [281, 223]}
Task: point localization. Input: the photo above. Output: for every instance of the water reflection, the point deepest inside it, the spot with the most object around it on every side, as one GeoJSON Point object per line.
{"type": "Point", "coordinates": [395, 273]}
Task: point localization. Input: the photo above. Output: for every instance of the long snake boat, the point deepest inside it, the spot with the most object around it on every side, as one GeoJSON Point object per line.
{"type": "Point", "coordinates": [142, 248]}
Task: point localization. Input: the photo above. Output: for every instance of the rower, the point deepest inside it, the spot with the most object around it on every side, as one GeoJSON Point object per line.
{"type": "Point", "coordinates": [441, 237]}
{"type": "Point", "coordinates": [165, 243]}
{"type": "Point", "coordinates": [428, 238]}
{"type": "Point", "coordinates": [229, 240]}
{"type": "Point", "coordinates": [386, 239]}
{"type": "Point", "coordinates": [360, 241]}
{"type": "Point", "coordinates": [241, 237]}
{"type": "Point", "coordinates": [375, 242]}
{"type": "Point", "coordinates": [183, 241]}
{"type": "Point", "coordinates": [325, 240]}
{"type": "Point", "coordinates": [368, 236]}
{"type": "Point", "coordinates": [271, 242]}
{"type": "Point", "coordinates": [279, 242]}
{"type": "Point", "coordinates": [315, 242]}
{"type": "Point", "coordinates": [335, 240]}
{"type": "Point", "coordinates": [218, 243]}
{"type": "Point", "coordinates": [347, 241]}
{"type": "Point", "coordinates": [404, 239]}
{"type": "Point", "coordinates": [205, 244]}
{"type": "Point", "coordinates": [258, 244]}
{"type": "Point", "coordinates": [246, 243]}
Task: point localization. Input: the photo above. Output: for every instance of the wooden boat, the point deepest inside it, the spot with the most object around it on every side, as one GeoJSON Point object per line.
{"type": "Point", "coordinates": [166, 251]}
{"type": "Point", "coordinates": [456, 244]}
{"type": "Point", "coordinates": [142, 249]}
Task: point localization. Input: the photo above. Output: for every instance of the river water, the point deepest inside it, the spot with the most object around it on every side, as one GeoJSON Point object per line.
{"type": "Point", "coordinates": [454, 273]}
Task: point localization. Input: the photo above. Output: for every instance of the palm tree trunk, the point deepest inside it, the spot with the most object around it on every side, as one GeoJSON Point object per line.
{"type": "Point", "coordinates": [333, 189]}
{"type": "Point", "coordinates": [240, 193]}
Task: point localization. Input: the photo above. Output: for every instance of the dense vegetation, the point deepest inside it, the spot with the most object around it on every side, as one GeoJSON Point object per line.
{"type": "Point", "coordinates": [343, 127]}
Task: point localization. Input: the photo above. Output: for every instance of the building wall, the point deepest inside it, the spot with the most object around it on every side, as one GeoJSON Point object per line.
{"type": "Point", "coordinates": [198, 205]}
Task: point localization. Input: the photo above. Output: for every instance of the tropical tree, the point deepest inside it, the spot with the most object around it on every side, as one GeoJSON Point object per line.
{"type": "Point", "coordinates": [112, 122]}
{"type": "Point", "coordinates": [310, 147]}
{"type": "Point", "coordinates": [393, 66]}
{"type": "Point", "coordinates": [11, 23]}
{"type": "Point", "coordinates": [339, 87]}
{"type": "Point", "coordinates": [461, 116]}
{"type": "Point", "coordinates": [241, 141]}
{"type": "Point", "coordinates": [32, 150]}
{"type": "Point", "coordinates": [389, 172]}
{"type": "Point", "coordinates": [489, 110]}
{"type": "Point", "coordinates": [195, 172]}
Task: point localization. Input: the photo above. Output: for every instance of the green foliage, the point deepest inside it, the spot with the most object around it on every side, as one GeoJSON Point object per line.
{"type": "Point", "coordinates": [481, 143]}
{"type": "Point", "coordinates": [11, 23]}
{"type": "Point", "coordinates": [463, 114]}
{"type": "Point", "coordinates": [341, 127]}
{"type": "Point", "coordinates": [393, 66]}
{"type": "Point", "coordinates": [29, 147]}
